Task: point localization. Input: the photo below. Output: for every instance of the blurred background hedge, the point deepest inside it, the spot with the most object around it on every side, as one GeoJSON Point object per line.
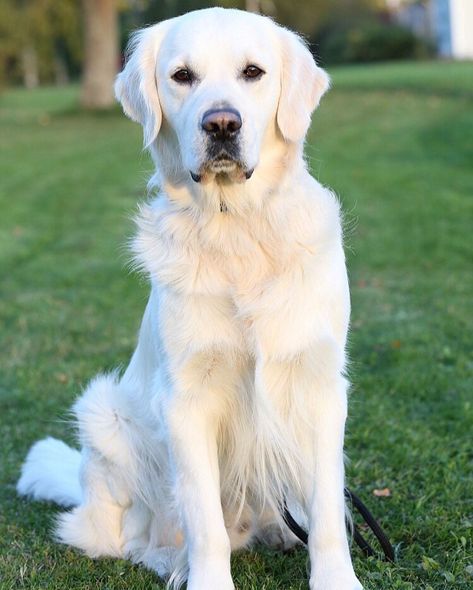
{"type": "Point", "coordinates": [370, 41]}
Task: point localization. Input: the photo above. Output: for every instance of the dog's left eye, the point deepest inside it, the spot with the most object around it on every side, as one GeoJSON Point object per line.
{"type": "Point", "coordinates": [183, 76]}
{"type": "Point", "coordinates": [252, 72]}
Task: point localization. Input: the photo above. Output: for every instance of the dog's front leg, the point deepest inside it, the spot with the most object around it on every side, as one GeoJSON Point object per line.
{"type": "Point", "coordinates": [192, 417]}
{"type": "Point", "coordinates": [311, 383]}
{"type": "Point", "coordinates": [331, 567]}
{"type": "Point", "coordinates": [301, 342]}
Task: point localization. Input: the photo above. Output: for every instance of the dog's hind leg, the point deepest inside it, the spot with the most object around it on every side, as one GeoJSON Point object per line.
{"type": "Point", "coordinates": [103, 417]}
{"type": "Point", "coordinates": [95, 525]}
{"type": "Point", "coordinates": [53, 471]}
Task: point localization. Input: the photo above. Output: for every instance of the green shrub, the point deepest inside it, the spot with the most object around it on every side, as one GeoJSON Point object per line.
{"type": "Point", "coordinates": [371, 41]}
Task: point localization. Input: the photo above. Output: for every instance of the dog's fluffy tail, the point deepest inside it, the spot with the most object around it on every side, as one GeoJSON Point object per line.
{"type": "Point", "coordinates": [51, 472]}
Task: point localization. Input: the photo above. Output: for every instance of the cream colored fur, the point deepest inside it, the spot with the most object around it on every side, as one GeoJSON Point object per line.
{"type": "Point", "coordinates": [235, 397]}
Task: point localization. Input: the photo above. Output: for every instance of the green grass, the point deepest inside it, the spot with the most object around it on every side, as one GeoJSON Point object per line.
{"type": "Point", "coordinates": [396, 142]}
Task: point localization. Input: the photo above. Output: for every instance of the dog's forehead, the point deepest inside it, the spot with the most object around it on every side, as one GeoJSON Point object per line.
{"type": "Point", "coordinates": [218, 35]}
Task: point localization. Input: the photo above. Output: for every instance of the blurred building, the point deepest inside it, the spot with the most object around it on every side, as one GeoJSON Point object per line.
{"type": "Point", "coordinates": [449, 23]}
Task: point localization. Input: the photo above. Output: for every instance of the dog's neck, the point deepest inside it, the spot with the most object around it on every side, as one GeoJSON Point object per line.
{"type": "Point", "coordinates": [232, 194]}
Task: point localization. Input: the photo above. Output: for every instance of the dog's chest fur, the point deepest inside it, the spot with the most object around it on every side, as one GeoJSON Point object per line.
{"type": "Point", "coordinates": [240, 279]}
{"type": "Point", "coordinates": [219, 256]}
{"type": "Point", "coordinates": [222, 254]}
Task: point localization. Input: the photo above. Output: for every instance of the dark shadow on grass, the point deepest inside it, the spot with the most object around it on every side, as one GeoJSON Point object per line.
{"type": "Point", "coordinates": [412, 89]}
{"type": "Point", "coordinates": [76, 112]}
{"type": "Point", "coordinates": [269, 568]}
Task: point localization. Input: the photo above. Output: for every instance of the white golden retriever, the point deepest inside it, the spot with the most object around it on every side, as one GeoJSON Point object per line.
{"type": "Point", "coordinates": [235, 398]}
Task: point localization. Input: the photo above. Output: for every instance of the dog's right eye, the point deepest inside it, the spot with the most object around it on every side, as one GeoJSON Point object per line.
{"type": "Point", "coordinates": [252, 72]}
{"type": "Point", "coordinates": [183, 76]}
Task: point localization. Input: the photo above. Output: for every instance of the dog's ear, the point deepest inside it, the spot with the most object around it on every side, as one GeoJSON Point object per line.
{"type": "Point", "coordinates": [303, 84]}
{"type": "Point", "coordinates": [136, 86]}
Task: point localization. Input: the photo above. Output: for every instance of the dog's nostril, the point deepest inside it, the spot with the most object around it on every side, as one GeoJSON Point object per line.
{"type": "Point", "coordinates": [221, 122]}
{"type": "Point", "coordinates": [233, 126]}
{"type": "Point", "coordinates": [212, 126]}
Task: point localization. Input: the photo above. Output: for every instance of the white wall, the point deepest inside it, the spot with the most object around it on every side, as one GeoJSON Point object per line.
{"type": "Point", "coordinates": [461, 18]}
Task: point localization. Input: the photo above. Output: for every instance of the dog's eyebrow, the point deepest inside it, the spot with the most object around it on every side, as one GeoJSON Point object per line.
{"type": "Point", "coordinates": [249, 60]}
{"type": "Point", "coordinates": [179, 60]}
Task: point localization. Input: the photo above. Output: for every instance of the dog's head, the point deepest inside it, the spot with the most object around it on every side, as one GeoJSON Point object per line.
{"type": "Point", "coordinates": [221, 85]}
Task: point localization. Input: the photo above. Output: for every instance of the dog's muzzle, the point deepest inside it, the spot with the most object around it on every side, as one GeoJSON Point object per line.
{"type": "Point", "coordinates": [222, 129]}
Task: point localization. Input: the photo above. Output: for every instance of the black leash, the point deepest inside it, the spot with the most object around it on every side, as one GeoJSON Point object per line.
{"type": "Point", "coordinates": [362, 543]}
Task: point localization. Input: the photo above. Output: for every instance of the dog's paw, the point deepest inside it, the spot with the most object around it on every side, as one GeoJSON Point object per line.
{"type": "Point", "coordinates": [338, 579]}
{"type": "Point", "coordinates": [210, 583]}
{"type": "Point", "coordinates": [333, 571]}
{"type": "Point", "coordinates": [210, 578]}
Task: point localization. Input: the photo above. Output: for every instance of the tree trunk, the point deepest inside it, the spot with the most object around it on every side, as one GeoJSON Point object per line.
{"type": "Point", "coordinates": [29, 61]}
{"type": "Point", "coordinates": [253, 6]}
{"type": "Point", "coordinates": [61, 74]}
{"type": "Point", "coordinates": [101, 53]}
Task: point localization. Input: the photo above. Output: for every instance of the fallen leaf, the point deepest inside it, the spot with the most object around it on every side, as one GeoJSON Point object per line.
{"type": "Point", "coordinates": [382, 493]}
{"type": "Point", "coordinates": [44, 119]}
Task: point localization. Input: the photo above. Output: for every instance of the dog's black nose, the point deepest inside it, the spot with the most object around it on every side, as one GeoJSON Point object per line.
{"type": "Point", "coordinates": [221, 123]}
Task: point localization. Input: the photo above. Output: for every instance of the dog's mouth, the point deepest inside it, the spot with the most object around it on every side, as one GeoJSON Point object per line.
{"type": "Point", "coordinates": [223, 165]}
